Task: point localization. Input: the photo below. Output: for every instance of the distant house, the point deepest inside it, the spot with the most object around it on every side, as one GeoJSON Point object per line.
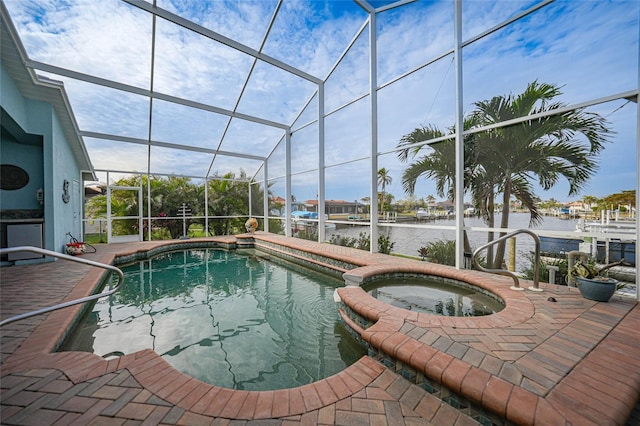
{"type": "Point", "coordinates": [575, 207]}
{"type": "Point", "coordinates": [278, 200]}
{"type": "Point", "coordinates": [44, 162]}
{"type": "Point", "coordinates": [330, 206]}
{"type": "Point", "coordinates": [92, 190]}
{"type": "Point", "coordinates": [333, 206]}
{"type": "Point", "coordinates": [445, 205]}
{"type": "Point", "coordinates": [276, 205]}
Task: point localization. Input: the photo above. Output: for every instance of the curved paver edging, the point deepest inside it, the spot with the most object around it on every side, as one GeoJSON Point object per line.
{"type": "Point", "coordinates": [517, 307]}
{"type": "Point", "coordinates": [160, 378]}
{"type": "Point", "coordinates": [480, 387]}
{"type": "Point", "coordinates": [490, 392]}
{"type": "Point", "coordinates": [568, 402]}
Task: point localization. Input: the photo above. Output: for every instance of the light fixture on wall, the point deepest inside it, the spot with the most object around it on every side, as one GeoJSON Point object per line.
{"type": "Point", "coordinates": [40, 196]}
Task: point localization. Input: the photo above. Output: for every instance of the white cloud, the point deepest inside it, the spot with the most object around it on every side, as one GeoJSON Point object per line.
{"type": "Point", "coordinates": [274, 94]}
{"type": "Point", "coordinates": [591, 48]}
{"type": "Point", "coordinates": [178, 162]}
{"type": "Point", "coordinates": [304, 152]}
{"type": "Point", "coordinates": [245, 21]}
{"type": "Point", "coordinates": [120, 156]}
{"type": "Point", "coordinates": [347, 133]}
{"type": "Point", "coordinates": [107, 38]}
{"type": "Point", "coordinates": [104, 110]}
{"type": "Point", "coordinates": [194, 67]}
{"type": "Point", "coordinates": [411, 35]}
{"type": "Point", "coordinates": [350, 79]}
{"type": "Point", "coordinates": [186, 126]}
{"type": "Point", "coordinates": [311, 35]}
{"type": "Point", "coordinates": [251, 138]}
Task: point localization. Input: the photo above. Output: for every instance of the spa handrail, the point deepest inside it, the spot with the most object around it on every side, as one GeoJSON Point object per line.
{"type": "Point", "coordinates": [71, 302]}
{"type": "Point", "coordinates": [536, 264]}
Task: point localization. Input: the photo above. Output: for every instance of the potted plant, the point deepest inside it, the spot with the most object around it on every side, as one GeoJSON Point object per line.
{"type": "Point", "coordinates": [592, 283]}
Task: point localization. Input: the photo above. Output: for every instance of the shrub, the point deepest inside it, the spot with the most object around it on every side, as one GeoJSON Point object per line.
{"type": "Point", "coordinates": [561, 274]}
{"type": "Point", "coordinates": [385, 245]}
{"type": "Point", "coordinates": [441, 251]}
{"type": "Point", "coordinates": [363, 242]}
{"type": "Point", "coordinates": [423, 252]}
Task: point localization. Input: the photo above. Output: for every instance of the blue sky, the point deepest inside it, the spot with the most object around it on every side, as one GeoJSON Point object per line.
{"type": "Point", "coordinates": [589, 48]}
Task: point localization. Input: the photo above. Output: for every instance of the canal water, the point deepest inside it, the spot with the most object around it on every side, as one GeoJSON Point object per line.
{"type": "Point", "coordinates": [409, 240]}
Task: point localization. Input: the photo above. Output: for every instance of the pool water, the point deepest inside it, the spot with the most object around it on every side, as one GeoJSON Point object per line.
{"type": "Point", "coordinates": [230, 319]}
{"type": "Point", "coordinates": [434, 296]}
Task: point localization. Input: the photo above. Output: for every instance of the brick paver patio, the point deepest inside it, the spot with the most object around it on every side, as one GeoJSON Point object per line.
{"type": "Point", "coordinates": [572, 361]}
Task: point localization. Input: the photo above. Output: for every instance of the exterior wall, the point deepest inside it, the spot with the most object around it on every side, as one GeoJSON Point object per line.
{"type": "Point", "coordinates": [55, 159]}
{"type": "Point", "coordinates": [59, 165]}
{"type": "Point", "coordinates": [29, 158]}
{"type": "Point", "coordinates": [64, 167]}
{"type": "Point", "coordinates": [11, 99]}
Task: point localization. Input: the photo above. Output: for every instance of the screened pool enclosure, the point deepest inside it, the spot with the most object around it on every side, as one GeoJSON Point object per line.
{"type": "Point", "coordinates": [359, 113]}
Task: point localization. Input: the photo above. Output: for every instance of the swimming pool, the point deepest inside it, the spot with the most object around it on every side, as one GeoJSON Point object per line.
{"type": "Point", "coordinates": [233, 319]}
{"type": "Point", "coordinates": [435, 295]}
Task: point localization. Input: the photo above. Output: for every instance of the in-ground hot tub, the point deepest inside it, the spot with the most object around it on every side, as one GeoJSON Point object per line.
{"type": "Point", "coordinates": [435, 295]}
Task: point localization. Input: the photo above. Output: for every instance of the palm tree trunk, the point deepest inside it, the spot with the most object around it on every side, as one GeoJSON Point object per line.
{"type": "Point", "coordinates": [504, 223]}
{"type": "Point", "coordinates": [467, 244]}
{"type": "Point", "coordinates": [491, 220]}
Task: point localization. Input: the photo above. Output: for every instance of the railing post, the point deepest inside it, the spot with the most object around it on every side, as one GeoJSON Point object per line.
{"type": "Point", "coordinates": [536, 260]}
{"type": "Point", "coordinates": [516, 282]}
{"type": "Point", "coordinates": [512, 254]}
{"type": "Point", "coordinates": [552, 273]}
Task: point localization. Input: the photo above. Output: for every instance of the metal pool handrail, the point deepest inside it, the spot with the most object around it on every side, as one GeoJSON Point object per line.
{"type": "Point", "coordinates": [71, 302]}
{"type": "Point", "coordinates": [536, 265]}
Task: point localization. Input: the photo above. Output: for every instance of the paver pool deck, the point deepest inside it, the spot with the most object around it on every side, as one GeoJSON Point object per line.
{"type": "Point", "coordinates": [549, 357]}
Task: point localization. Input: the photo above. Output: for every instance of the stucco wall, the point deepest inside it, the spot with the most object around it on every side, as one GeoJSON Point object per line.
{"type": "Point", "coordinates": [29, 158]}
{"type": "Point", "coordinates": [11, 99]}
{"type": "Point", "coordinates": [56, 159]}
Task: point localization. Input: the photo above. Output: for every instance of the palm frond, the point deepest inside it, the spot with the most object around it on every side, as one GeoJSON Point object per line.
{"type": "Point", "coordinates": [420, 134]}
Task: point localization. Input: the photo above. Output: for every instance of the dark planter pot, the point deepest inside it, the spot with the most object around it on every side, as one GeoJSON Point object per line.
{"type": "Point", "coordinates": [600, 290]}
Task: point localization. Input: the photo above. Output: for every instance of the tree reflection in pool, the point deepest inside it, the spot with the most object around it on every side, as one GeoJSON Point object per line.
{"type": "Point", "coordinates": [230, 319]}
{"type": "Point", "coordinates": [433, 295]}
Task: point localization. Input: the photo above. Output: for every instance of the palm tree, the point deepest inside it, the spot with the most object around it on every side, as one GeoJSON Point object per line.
{"type": "Point", "coordinates": [384, 179]}
{"type": "Point", "coordinates": [505, 160]}
{"type": "Point", "coordinates": [546, 148]}
{"type": "Point", "coordinates": [229, 198]}
{"type": "Point", "coordinates": [438, 164]}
